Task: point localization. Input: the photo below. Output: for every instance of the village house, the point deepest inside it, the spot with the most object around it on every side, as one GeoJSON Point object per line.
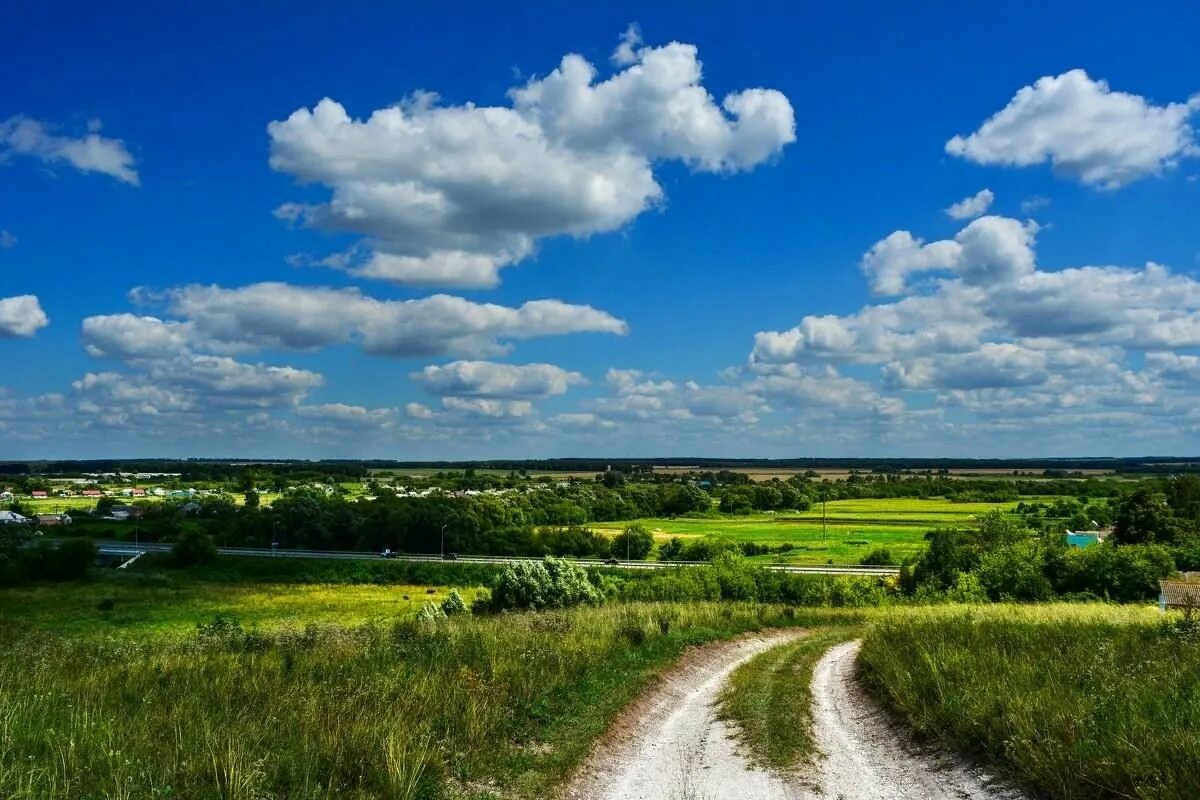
{"type": "Point", "coordinates": [1086, 538]}
{"type": "Point", "coordinates": [1175, 595]}
{"type": "Point", "coordinates": [51, 520]}
{"type": "Point", "coordinates": [39, 494]}
{"type": "Point", "coordinates": [12, 518]}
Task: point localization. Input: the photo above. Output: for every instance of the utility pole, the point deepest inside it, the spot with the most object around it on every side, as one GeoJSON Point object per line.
{"type": "Point", "coordinates": [824, 530]}
{"type": "Point", "coordinates": [443, 541]}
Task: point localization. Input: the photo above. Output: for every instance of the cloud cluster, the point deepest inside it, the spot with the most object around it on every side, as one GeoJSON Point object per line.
{"type": "Point", "coordinates": [1087, 131]}
{"type": "Point", "coordinates": [447, 195]}
{"type": "Point", "coordinates": [284, 316]}
{"type": "Point", "coordinates": [21, 316]}
{"type": "Point", "coordinates": [22, 136]}
{"type": "Point", "coordinates": [988, 332]}
{"type": "Point", "coordinates": [488, 379]}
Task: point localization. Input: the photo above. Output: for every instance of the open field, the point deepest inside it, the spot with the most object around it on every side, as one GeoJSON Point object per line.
{"type": "Point", "coordinates": [852, 528]}
{"type": "Point", "coordinates": [1075, 701]}
{"type": "Point", "coordinates": [399, 710]}
{"type": "Point", "coordinates": [140, 608]}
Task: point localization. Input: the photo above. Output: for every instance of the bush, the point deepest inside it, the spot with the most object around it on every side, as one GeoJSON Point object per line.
{"type": "Point", "coordinates": [879, 557]}
{"type": "Point", "coordinates": [635, 542]}
{"type": "Point", "coordinates": [454, 605]}
{"type": "Point", "coordinates": [550, 583]}
{"type": "Point", "coordinates": [1015, 573]}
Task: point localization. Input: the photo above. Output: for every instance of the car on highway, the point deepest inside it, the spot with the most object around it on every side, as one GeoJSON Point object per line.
{"type": "Point", "coordinates": [450, 557]}
{"type": "Point", "coordinates": [387, 553]}
{"type": "Point", "coordinates": [612, 561]}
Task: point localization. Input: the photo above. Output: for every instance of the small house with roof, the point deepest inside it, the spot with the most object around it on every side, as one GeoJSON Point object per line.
{"type": "Point", "coordinates": [1176, 595]}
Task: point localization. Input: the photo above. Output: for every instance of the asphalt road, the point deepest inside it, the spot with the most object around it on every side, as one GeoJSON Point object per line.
{"type": "Point", "coordinates": [113, 548]}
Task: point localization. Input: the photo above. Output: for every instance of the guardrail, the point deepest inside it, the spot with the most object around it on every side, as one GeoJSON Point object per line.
{"type": "Point", "coordinates": [127, 549]}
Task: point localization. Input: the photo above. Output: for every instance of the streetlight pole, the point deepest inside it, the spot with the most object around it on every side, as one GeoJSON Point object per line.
{"type": "Point", "coordinates": [824, 531]}
{"type": "Point", "coordinates": [443, 541]}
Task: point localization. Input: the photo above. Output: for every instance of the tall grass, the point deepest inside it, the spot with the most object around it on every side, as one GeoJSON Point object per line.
{"type": "Point", "coordinates": [406, 710]}
{"type": "Point", "coordinates": [1078, 702]}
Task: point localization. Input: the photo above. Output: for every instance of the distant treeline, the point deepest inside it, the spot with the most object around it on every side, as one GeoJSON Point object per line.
{"type": "Point", "coordinates": [214, 469]}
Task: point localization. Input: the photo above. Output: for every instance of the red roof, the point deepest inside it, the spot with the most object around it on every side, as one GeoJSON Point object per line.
{"type": "Point", "coordinates": [40, 493]}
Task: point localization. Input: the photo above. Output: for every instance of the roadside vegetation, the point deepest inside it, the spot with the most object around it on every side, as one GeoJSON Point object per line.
{"type": "Point", "coordinates": [1076, 701]}
{"type": "Point", "coordinates": [424, 707]}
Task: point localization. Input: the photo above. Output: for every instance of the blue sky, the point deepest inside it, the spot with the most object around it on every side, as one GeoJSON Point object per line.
{"type": "Point", "coordinates": [200, 257]}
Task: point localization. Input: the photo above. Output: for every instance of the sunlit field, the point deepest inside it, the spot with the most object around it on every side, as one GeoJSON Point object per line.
{"type": "Point", "coordinates": [140, 607]}
{"type": "Point", "coordinates": [852, 528]}
{"type": "Point", "coordinates": [492, 707]}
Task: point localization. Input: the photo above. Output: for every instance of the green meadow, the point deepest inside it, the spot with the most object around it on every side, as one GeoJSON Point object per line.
{"type": "Point", "coordinates": [851, 529]}
{"type": "Point", "coordinates": [142, 606]}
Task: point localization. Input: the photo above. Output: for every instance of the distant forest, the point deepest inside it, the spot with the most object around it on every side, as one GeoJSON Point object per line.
{"type": "Point", "coordinates": [215, 468]}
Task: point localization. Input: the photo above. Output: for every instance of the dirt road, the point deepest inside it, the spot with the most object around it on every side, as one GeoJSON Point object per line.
{"type": "Point", "coordinates": [669, 745]}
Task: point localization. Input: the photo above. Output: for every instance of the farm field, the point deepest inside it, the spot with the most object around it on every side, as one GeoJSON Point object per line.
{"type": "Point", "coordinates": [853, 528]}
{"type": "Point", "coordinates": [131, 609]}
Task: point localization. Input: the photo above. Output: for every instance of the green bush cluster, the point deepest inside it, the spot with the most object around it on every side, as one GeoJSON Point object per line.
{"type": "Point", "coordinates": [1003, 560]}
{"type": "Point", "coordinates": [550, 583]}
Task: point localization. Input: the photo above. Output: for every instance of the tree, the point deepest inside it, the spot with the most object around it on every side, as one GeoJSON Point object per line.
{"type": "Point", "coordinates": [949, 554]}
{"type": "Point", "coordinates": [1183, 497]}
{"type": "Point", "coordinates": [252, 499]}
{"type": "Point", "coordinates": [635, 542]}
{"type": "Point", "coordinates": [997, 529]}
{"type": "Point", "coordinates": [1142, 518]}
{"type": "Point", "coordinates": [193, 547]}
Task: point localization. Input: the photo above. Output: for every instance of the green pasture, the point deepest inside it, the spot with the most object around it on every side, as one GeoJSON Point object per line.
{"type": "Point", "coordinates": [852, 528]}
{"type": "Point", "coordinates": [138, 607]}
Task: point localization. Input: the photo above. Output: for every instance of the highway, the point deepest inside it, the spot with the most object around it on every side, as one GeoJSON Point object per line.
{"type": "Point", "coordinates": [129, 550]}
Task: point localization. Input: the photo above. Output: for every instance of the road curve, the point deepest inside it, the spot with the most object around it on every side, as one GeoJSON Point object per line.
{"type": "Point", "coordinates": [669, 744]}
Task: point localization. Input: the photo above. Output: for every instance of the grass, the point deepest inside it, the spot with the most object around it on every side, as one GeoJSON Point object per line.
{"type": "Point", "coordinates": [853, 528]}
{"type": "Point", "coordinates": [769, 699]}
{"type": "Point", "coordinates": [471, 707]}
{"type": "Point", "coordinates": [1075, 701]}
{"type": "Point", "coordinates": [136, 610]}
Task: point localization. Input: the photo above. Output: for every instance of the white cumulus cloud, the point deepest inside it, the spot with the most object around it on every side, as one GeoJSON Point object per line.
{"type": "Point", "coordinates": [1085, 130]}
{"type": "Point", "coordinates": [21, 316]}
{"type": "Point", "coordinates": [447, 195]}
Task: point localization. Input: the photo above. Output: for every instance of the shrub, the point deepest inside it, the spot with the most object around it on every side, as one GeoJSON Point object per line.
{"type": "Point", "coordinates": [454, 605]}
{"type": "Point", "coordinates": [635, 542]}
{"type": "Point", "coordinates": [431, 613]}
{"type": "Point", "coordinates": [880, 557]}
{"type": "Point", "coordinates": [550, 583]}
